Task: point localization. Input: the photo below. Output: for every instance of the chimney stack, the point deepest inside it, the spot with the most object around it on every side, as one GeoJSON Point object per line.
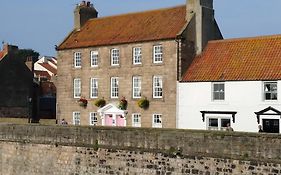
{"type": "Point", "coordinates": [82, 13]}
{"type": "Point", "coordinates": [203, 13]}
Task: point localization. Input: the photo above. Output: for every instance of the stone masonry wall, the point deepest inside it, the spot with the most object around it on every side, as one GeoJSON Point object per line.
{"type": "Point", "coordinates": [36, 149]}
{"type": "Point", "coordinates": [125, 72]}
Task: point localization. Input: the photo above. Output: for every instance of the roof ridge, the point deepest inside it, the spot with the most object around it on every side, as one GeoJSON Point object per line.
{"type": "Point", "coordinates": [247, 38]}
{"type": "Point", "coordinates": [134, 13]}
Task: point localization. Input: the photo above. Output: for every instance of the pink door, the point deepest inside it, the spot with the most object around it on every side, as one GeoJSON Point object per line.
{"type": "Point", "coordinates": [108, 120]}
{"type": "Point", "coordinates": [120, 120]}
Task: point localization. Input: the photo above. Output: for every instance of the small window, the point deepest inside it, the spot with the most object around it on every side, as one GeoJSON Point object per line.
{"type": "Point", "coordinates": [115, 55]}
{"type": "Point", "coordinates": [77, 88]}
{"type": "Point", "coordinates": [136, 87]}
{"type": "Point", "coordinates": [94, 58]}
{"type": "Point", "coordinates": [76, 118]}
{"type": "Point", "coordinates": [157, 87]}
{"type": "Point", "coordinates": [218, 91]}
{"type": "Point", "coordinates": [270, 90]}
{"type": "Point", "coordinates": [218, 123]}
{"type": "Point", "coordinates": [93, 118]}
{"type": "Point", "coordinates": [114, 87]}
{"type": "Point", "coordinates": [157, 54]}
{"type": "Point", "coordinates": [77, 59]}
{"type": "Point", "coordinates": [157, 121]}
{"type": "Point", "coordinates": [94, 88]}
{"type": "Point", "coordinates": [137, 55]}
{"type": "Point", "coordinates": [136, 120]}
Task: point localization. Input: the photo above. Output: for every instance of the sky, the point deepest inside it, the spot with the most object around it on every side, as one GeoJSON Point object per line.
{"type": "Point", "coordinates": [42, 24]}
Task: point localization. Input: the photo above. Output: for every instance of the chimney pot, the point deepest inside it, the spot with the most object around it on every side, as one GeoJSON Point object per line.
{"type": "Point", "coordinates": [83, 3]}
{"type": "Point", "coordinates": [88, 3]}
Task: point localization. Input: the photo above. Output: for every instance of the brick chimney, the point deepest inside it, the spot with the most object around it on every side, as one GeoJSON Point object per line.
{"type": "Point", "coordinates": [82, 13]}
{"type": "Point", "coordinates": [205, 26]}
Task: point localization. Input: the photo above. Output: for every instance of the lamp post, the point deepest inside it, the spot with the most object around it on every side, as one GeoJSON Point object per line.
{"type": "Point", "coordinates": [29, 109]}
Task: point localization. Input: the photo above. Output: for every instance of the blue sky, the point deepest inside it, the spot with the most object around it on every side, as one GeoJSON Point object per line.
{"type": "Point", "coordinates": [41, 24]}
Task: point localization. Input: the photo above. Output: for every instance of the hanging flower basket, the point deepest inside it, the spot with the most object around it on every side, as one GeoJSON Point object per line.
{"type": "Point", "coordinates": [123, 104]}
{"type": "Point", "coordinates": [100, 103]}
{"type": "Point", "coordinates": [83, 102]}
{"type": "Point", "coordinates": [143, 103]}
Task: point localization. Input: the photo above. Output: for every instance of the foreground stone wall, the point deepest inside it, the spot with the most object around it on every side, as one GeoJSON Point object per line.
{"type": "Point", "coordinates": [38, 149]}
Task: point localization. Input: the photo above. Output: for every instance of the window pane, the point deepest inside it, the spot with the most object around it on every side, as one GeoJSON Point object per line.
{"type": "Point", "coordinates": [157, 57]}
{"type": "Point", "coordinates": [115, 57]}
{"type": "Point", "coordinates": [218, 91]}
{"type": "Point", "coordinates": [136, 87]}
{"type": "Point", "coordinates": [77, 59]}
{"type": "Point", "coordinates": [270, 90]}
{"type": "Point", "coordinates": [213, 122]}
{"type": "Point", "coordinates": [157, 87]}
{"type": "Point", "coordinates": [94, 88]}
{"type": "Point", "coordinates": [77, 88]}
{"type": "Point", "coordinates": [137, 55]}
{"type": "Point", "coordinates": [114, 87]}
{"type": "Point", "coordinates": [224, 122]}
{"type": "Point", "coordinates": [94, 58]}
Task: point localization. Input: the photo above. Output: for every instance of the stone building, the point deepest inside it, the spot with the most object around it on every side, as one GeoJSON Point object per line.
{"type": "Point", "coordinates": [16, 87]}
{"type": "Point", "coordinates": [131, 57]}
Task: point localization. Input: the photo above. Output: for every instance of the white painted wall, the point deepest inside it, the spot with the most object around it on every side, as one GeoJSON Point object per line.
{"type": "Point", "coordinates": [244, 97]}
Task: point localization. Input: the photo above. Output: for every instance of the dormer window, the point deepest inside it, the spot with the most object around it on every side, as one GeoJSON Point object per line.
{"type": "Point", "coordinates": [115, 56]}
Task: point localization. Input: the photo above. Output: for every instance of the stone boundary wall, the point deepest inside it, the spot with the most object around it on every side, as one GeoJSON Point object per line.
{"type": "Point", "coordinates": [225, 145]}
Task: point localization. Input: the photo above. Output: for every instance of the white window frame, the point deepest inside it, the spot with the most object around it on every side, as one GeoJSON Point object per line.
{"type": "Point", "coordinates": [77, 88]}
{"type": "Point", "coordinates": [115, 57]}
{"type": "Point", "coordinates": [157, 123]}
{"type": "Point", "coordinates": [158, 54]}
{"type": "Point", "coordinates": [77, 59]}
{"type": "Point", "coordinates": [114, 87]}
{"type": "Point", "coordinates": [136, 120]}
{"type": "Point", "coordinates": [93, 118]}
{"type": "Point", "coordinates": [76, 118]}
{"type": "Point", "coordinates": [213, 91]}
{"type": "Point", "coordinates": [157, 89]}
{"type": "Point", "coordinates": [219, 118]}
{"type": "Point", "coordinates": [137, 55]}
{"type": "Point", "coordinates": [270, 91]}
{"type": "Point", "coordinates": [94, 58]}
{"type": "Point", "coordinates": [136, 87]}
{"type": "Point", "coordinates": [94, 91]}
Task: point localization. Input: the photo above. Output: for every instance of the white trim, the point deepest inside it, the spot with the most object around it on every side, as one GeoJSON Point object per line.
{"type": "Point", "coordinates": [157, 125]}
{"type": "Point", "coordinates": [77, 59]}
{"type": "Point", "coordinates": [137, 55]}
{"type": "Point", "coordinates": [76, 88]}
{"type": "Point", "coordinates": [94, 81]}
{"type": "Point", "coordinates": [136, 124]}
{"type": "Point", "coordinates": [92, 120]}
{"type": "Point", "coordinates": [138, 79]}
{"type": "Point", "coordinates": [115, 57]}
{"type": "Point", "coordinates": [74, 119]}
{"type": "Point", "coordinates": [157, 54]}
{"type": "Point", "coordinates": [96, 54]}
{"type": "Point", "coordinates": [219, 117]}
{"type": "Point", "coordinates": [159, 87]}
{"type": "Point", "coordinates": [213, 95]}
{"type": "Point", "coordinates": [116, 88]}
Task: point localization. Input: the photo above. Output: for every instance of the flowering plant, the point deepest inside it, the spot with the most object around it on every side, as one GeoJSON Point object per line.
{"type": "Point", "coordinates": [83, 102]}
{"type": "Point", "coordinates": [123, 103]}
{"type": "Point", "coordinates": [143, 103]}
{"type": "Point", "coordinates": [100, 103]}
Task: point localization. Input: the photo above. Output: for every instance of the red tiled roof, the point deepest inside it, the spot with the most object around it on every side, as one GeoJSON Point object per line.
{"type": "Point", "coordinates": [135, 27]}
{"type": "Point", "coordinates": [249, 59]}
{"type": "Point", "coordinates": [1, 55]}
{"type": "Point", "coordinates": [49, 67]}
